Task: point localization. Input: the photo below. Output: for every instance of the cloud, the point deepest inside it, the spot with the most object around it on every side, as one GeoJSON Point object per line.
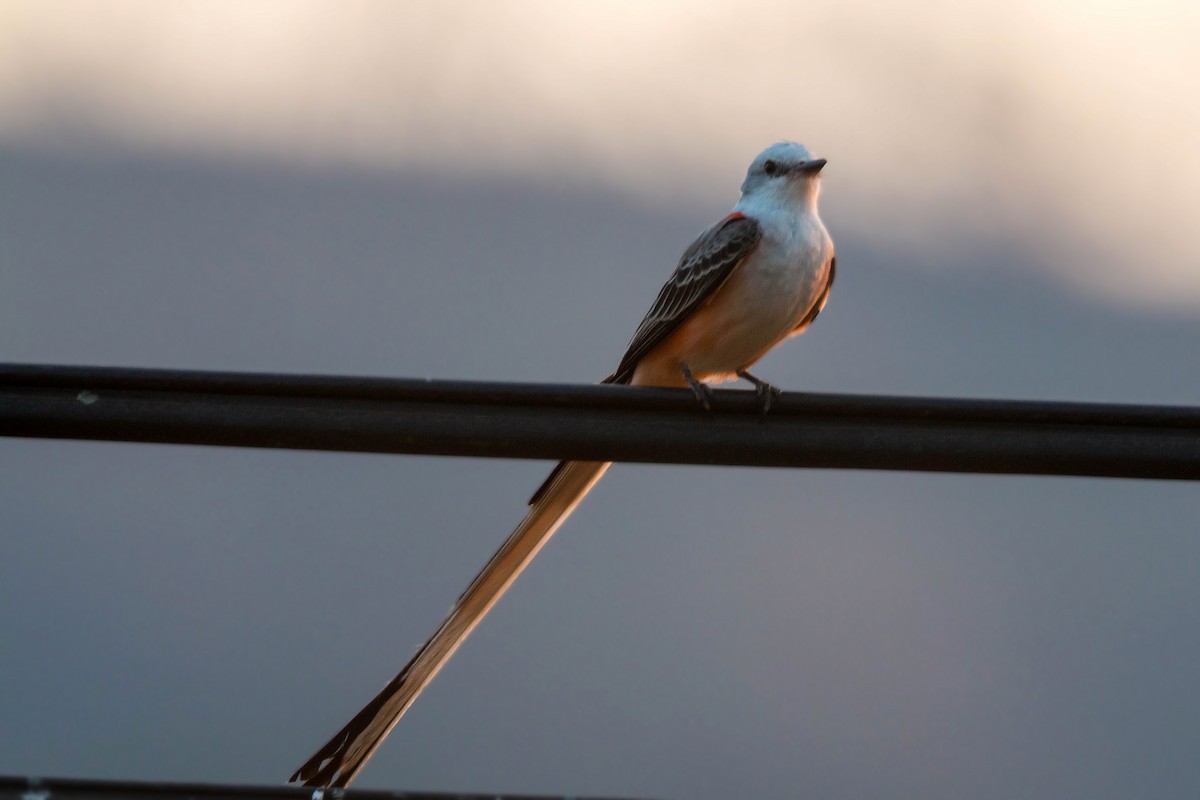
{"type": "Point", "coordinates": [1065, 129]}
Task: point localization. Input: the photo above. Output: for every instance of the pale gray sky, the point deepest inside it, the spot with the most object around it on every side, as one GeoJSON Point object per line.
{"type": "Point", "coordinates": [203, 614]}
{"type": "Point", "coordinates": [1070, 125]}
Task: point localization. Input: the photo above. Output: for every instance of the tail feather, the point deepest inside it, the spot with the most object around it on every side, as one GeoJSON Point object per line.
{"type": "Point", "coordinates": [339, 761]}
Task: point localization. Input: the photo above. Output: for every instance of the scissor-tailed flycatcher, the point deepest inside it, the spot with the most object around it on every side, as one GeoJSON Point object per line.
{"type": "Point", "coordinates": [758, 276]}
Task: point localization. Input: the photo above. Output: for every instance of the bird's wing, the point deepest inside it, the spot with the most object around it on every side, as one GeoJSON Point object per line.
{"type": "Point", "coordinates": [704, 266]}
{"type": "Point", "coordinates": [819, 306]}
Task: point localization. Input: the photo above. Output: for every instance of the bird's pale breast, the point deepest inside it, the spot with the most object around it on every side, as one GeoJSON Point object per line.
{"type": "Point", "coordinates": [756, 308]}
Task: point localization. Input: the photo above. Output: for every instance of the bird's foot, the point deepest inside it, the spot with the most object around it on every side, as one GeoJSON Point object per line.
{"type": "Point", "coordinates": [704, 395]}
{"type": "Point", "coordinates": [766, 392]}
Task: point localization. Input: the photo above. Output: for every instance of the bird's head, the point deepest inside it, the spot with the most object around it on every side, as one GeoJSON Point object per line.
{"type": "Point", "coordinates": [786, 170]}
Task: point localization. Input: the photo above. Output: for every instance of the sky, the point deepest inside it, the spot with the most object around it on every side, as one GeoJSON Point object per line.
{"type": "Point", "coordinates": [495, 191]}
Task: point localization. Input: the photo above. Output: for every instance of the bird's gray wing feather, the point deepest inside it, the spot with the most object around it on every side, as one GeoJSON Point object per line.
{"type": "Point", "coordinates": [704, 266]}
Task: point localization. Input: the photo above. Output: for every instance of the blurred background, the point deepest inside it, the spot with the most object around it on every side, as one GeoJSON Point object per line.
{"type": "Point", "coordinates": [496, 191]}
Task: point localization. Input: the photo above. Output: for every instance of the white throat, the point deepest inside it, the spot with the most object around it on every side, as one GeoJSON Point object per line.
{"type": "Point", "coordinates": [781, 197]}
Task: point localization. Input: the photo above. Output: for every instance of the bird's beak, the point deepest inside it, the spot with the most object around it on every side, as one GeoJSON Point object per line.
{"type": "Point", "coordinates": [811, 167]}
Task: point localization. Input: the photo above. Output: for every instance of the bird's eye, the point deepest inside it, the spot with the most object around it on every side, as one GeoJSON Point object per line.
{"type": "Point", "coordinates": [770, 167]}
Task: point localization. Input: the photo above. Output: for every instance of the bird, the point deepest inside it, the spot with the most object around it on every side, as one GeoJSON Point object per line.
{"type": "Point", "coordinates": [758, 276]}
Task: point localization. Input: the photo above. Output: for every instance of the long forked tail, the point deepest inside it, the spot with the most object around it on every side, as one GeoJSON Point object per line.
{"type": "Point", "coordinates": [339, 761]}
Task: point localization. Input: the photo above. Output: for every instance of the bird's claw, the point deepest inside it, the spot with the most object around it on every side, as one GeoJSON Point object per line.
{"type": "Point", "coordinates": [766, 392]}
{"type": "Point", "coordinates": [766, 395]}
{"type": "Point", "coordinates": [703, 392]}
